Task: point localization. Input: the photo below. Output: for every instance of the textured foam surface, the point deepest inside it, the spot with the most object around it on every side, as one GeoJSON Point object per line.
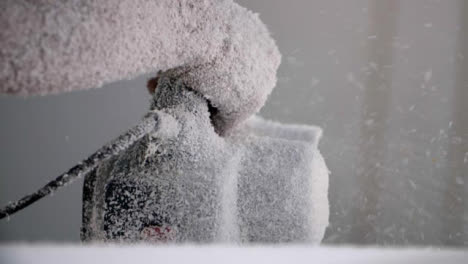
{"type": "Point", "coordinates": [219, 48]}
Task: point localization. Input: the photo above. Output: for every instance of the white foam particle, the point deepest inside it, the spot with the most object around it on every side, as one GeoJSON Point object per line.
{"type": "Point", "coordinates": [314, 82]}
{"type": "Point", "coordinates": [428, 75]}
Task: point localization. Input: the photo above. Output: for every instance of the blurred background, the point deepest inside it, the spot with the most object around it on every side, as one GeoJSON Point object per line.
{"type": "Point", "coordinates": [387, 81]}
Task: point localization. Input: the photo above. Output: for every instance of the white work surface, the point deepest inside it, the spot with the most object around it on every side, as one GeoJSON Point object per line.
{"type": "Point", "coordinates": [69, 254]}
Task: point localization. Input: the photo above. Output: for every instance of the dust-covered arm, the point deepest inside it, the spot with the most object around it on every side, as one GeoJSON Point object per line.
{"type": "Point", "coordinates": [223, 50]}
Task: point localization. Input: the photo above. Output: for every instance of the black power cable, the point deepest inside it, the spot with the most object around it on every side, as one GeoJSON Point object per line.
{"type": "Point", "coordinates": [146, 126]}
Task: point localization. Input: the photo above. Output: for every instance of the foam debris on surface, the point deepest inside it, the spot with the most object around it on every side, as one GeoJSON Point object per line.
{"type": "Point", "coordinates": [71, 254]}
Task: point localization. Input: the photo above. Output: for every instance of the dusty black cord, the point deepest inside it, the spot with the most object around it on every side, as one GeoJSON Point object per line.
{"type": "Point", "coordinates": [147, 125]}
